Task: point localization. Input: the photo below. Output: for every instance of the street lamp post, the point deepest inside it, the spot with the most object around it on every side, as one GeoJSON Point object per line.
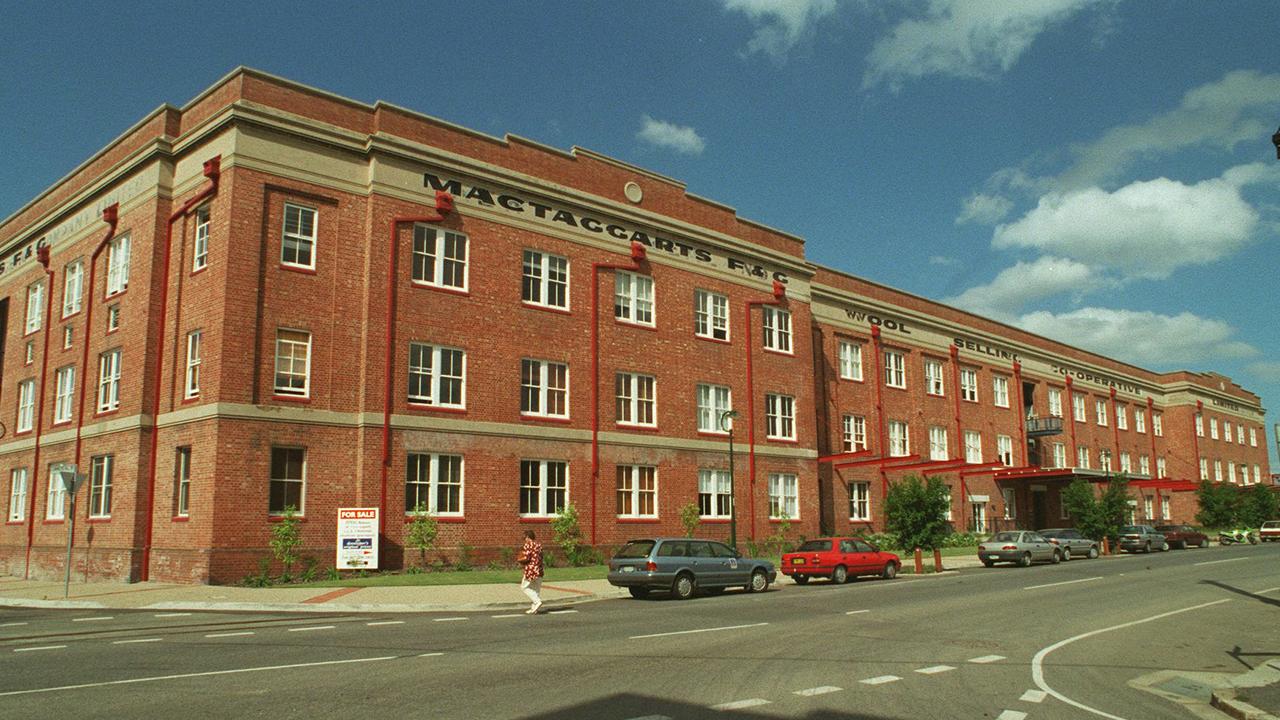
{"type": "Point", "coordinates": [726, 424]}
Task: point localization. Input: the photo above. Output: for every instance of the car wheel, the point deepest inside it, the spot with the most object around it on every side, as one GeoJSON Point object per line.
{"type": "Point", "coordinates": [1204, 543]}
{"type": "Point", "coordinates": [1025, 560]}
{"type": "Point", "coordinates": [759, 582]}
{"type": "Point", "coordinates": [800, 579]}
{"type": "Point", "coordinates": [639, 592]}
{"type": "Point", "coordinates": [684, 586]}
{"type": "Point", "coordinates": [1057, 557]}
{"type": "Point", "coordinates": [989, 563]}
{"type": "Point", "coordinates": [890, 571]}
{"type": "Point", "coordinates": [1066, 554]}
{"type": "Point", "coordinates": [1147, 548]}
{"type": "Point", "coordinates": [1164, 547]}
{"type": "Point", "coordinates": [840, 575]}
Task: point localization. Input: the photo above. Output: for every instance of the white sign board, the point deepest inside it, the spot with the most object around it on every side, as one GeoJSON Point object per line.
{"type": "Point", "coordinates": [357, 538]}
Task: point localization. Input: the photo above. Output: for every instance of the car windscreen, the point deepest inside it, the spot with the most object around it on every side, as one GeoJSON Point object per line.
{"type": "Point", "coordinates": [814, 546]}
{"type": "Point", "coordinates": [1053, 532]}
{"type": "Point", "coordinates": [1271, 524]}
{"type": "Point", "coordinates": [635, 549]}
{"type": "Point", "coordinates": [1005, 537]}
{"type": "Point", "coordinates": [1131, 530]}
{"type": "Point", "coordinates": [1169, 528]}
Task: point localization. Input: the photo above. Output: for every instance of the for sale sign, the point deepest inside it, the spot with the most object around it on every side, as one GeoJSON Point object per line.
{"type": "Point", "coordinates": [357, 538]}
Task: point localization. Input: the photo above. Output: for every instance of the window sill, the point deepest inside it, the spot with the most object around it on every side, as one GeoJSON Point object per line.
{"type": "Point", "coordinates": [16, 522]}
{"type": "Point", "coordinates": [865, 521]}
{"type": "Point", "coordinates": [545, 308]}
{"type": "Point", "coordinates": [20, 433]}
{"type": "Point", "coordinates": [639, 326]}
{"type": "Point", "coordinates": [464, 292]}
{"type": "Point", "coordinates": [436, 408]}
{"type": "Point", "coordinates": [192, 399]}
{"type": "Point", "coordinates": [641, 428]}
{"type": "Point", "coordinates": [409, 517]}
{"type": "Point", "coordinates": [180, 518]}
{"type": "Point", "coordinates": [717, 341]}
{"type": "Point", "coordinates": [537, 519]}
{"type": "Point", "coordinates": [934, 394]}
{"type": "Point", "coordinates": [29, 333]}
{"type": "Point", "coordinates": [105, 413]}
{"type": "Point", "coordinates": [639, 520]}
{"type": "Point", "coordinates": [712, 433]}
{"type": "Point", "coordinates": [54, 521]}
{"type": "Point", "coordinates": [545, 418]}
{"type": "Point", "coordinates": [779, 521]}
{"type": "Point", "coordinates": [114, 330]}
{"type": "Point", "coordinates": [305, 400]}
{"type": "Point", "coordinates": [115, 295]}
{"type": "Point", "coordinates": [300, 269]}
{"type": "Point", "coordinates": [785, 353]}
{"type": "Point", "coordinates": [791, 441]}
{"type": "Point", "coordinates": [198, 270]}
{"type": "Point", "coordinates": [60, 423]}
{"type": "Point", "coordinates": [714, 520]}
{"type": "Point", "coordinates": [98, 520]}
{"type": "Point", "coordinates": [902, 388]}
{"type": "Point", "coordinates": [860, 381]}
{"type": "Point", "coordinates": [68, 317]}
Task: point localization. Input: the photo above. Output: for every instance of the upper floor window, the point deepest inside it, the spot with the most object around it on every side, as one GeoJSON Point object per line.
{"type": "Point", "coordinates": [544, 388]}
{"type": "Point", "coordinates": [710, 315]}
{"type": "Point", "coordinates": [933, 377]}
{"type": "Point", "coordinates": [200, 251]}
{"type": "Point", "coordinates": [1226, 430]}
{"type": "Point", "coordinates": [1104, 460]}
{"type": "Point", "coordinates": [780, 417]}
{"type": "Point", "coordinates": [293, 362]}
{"type": "Point", "coordinates": [1217, 471]}
{"type": "Point", "coordinates": [182, 482]}
{"type": "Point", "coordinates": [1253, 437]}
{"type": "Point", "coordinates": [1004, 449]}
{"type": "Point", "coordinates": [113, 317]}
{"type": "Point", "coordinates": [35, 307]}
{"type": "Point", "coordinates": [545, 280]}
{"type": "Point", "coordinates": [969, 384]}
{"type": "Point", "coordinates": [544, 487]}
{"type": "Point", "coordinates": [65, 383]}
{"type": "Point", "coordinates": [1000, 391]}
{"type": "Point", "coordinates": [1055, 402]}
{"type": "Point", "coordinates": [1213, 428]}
{"type": "Point", "coordinates": [439, 257]}
{"type": "Point", "coordinates": [1126, 463]}
{"type": "Point", "coordinates": [118, 265]}
{"type": "Point", "coordinates": [777, 329]}
{"type": "Point", "coordinates": [55, 506]}
{"type": "Point", "coordinates": [859, 501]}
{"type": "Point", "coordinates": [437, 375]}
{"type": "Point", "coordinates": [1077, 407]}
{"type": "Point", "coordinates": [636, 399]}
{"type": "Point", "coordinates": [1157, 424]}
{"type": "Point", "coordinates": [26, 405]}
{"type": "Point", "coordinates": [1082, 458]}
{"type": "Point", "coordinates": [972, 447]}
{"type": "Point", "coordinates": [1199, 425]}
{"type": "Point", "coordinates": [855, 433]}
{"type": "Point", "coordinates": [1144, 464]}
{"type": "Point", "coordinates": [192, 385]}
{"type": "Point", "coordinates": [72, 288]}
{"type": "Point", "coordinates": [1240, 433]}
{"type": "Point", "coordinates": [938, 443]}
{"type": "Point", "coordinates": [298, 243]}
{"type": "Point", "coordinates": [713, 402]}
{"type": "Point", "coordinates": [1140, 420]}
{"type": "Point", "coordinates": [1122, 417]}
{"type": "Point", "coordinates": [895, 369]}
{"type": "Point", "coordinates": [633, 298]}
{"type": "Point", "coordinates": [850, 360]}
{"type": "Point", "coordinates": [1100, 412]}
{"type": "Point", "coordinates": [899, 439]}
{"type": "Point", "coordinates": [1204, 468]}
{"type": "Point", "coordinates": [1059, 455]}
{"type": "Point", "coordinates": [109, 381]}
{"type": "Point", "coordinates": [434, 483]}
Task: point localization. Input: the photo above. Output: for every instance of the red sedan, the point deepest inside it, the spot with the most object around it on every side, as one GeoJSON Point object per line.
{"type": "Point", "coordinates": [839, 559]}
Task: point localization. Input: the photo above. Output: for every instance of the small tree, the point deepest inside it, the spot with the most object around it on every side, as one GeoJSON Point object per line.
{"type": "Point", "coordinates": [690, 516]}
{"type": "Point", "coordinates": [1219, 505]}
{"type": "Point", "coordinates": [286, 537]}
{"type": "Point", "coordinates": [1082, 504]}
{"type": "Point", "coordinates": [916, 511]}
{"type": "Point", "coordinates": [567, 533]}
{"type": "Point", "coordinates": [423, 531]}
{"type": "Point", "coordinates": [1258, 505]}
{"type": "Point", "coordinates": [1113, 506]}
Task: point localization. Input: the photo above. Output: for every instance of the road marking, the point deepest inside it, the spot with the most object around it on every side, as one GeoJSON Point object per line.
{"type": "Point", "coordinates": [1064, 582]}
{"type": "Point", "coordinates": [313, 627]}
{"type": "Point", "coordinates": [560, 612]}
{"type": "Point", "coordinates": [880, 680]}
{"type": "Point", "coordinates": [1037, 662]}
{"type": "Point", "coordinates": [1215, 562]}
{"type": "Point", "coordinates": [511, 615]}
{"type": "Point", "coordinates": [42, 647]}
{"type": "Point", "coordinates": [1034, 696]}
{"type": "Point", "coordinates": [1011, 715]}
{"type": "Point", "coordinates": [385, 622]}
{"type": "Point", "coordinates": [1260, 592]}
{"type": "Point", "coordinates": [435, 654]}
{"type": "Point", "coordinates": [986, 659]}
{"type": "Point", "coordinates": [935, 669]}
{"type": "Point", "coordinates": [651, 717]}
{"type": "Point", "coordinates": [448, 619]}
{"type": "Point", "coordinates": [130, 642]}
{"type": "Point", "coordinates": [235, 671]}
{"type": "Point", "coordinates": [105, 617]}
{"type": "Point", "coordinates": [823, 690]}
{"type": "Point", "coordinates": [229, 634]}
{"type": "Point", "coordinates": [15, 624]}
{"type": "Point", "coordinates": [740, 704]}
{"type": "Point", "coordinates": [171, 615]}
{"type": "Point", "coordinates": [857, 612]}
{"type": "Point", "coordinates": [703, 630]}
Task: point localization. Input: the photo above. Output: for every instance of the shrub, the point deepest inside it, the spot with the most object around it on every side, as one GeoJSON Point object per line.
{"type": "Point", "coordinates": [423, 531]}
{"type": "Point", "coordinates": [286, 537]}
{"type": "Point", "coordinates": [308, 569]}
{"type": "Point", "coordinates": [507, 556]}
{"type": "Point", "coordinates": [332, 574]}
{"type": "Point", "coordinates": [463, 563]}
{"type": "Point", "coordinates": [1258, 505]}
{"type": "Point", "coordinates": [689, 518]}
{"type": "Point", "coordinates": [567, 533]}
{"type": "Point", "coordinates": [777, 543]}
{"type": "Point", "coordinates": [961, 539]}
{"type": "Point", "coordinates": [884, 541]}
{"type": "Point", "coordinates": [1219, 505]}
{"type": "Point", "coordinates": [1098, 516]}
{"type": "Point", "coordinates": [263, 578]}
{"type": "Point", "coordinates": [916, 511]}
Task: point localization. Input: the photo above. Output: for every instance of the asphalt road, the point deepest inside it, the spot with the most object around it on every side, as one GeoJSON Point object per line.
{"type": "Point", "coordinates": [1074, 640]}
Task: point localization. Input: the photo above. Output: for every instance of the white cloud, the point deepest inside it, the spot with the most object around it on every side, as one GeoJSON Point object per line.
{"type": "Point", "coordinates": [1014, 287]}
{"type": "Point", "coordinates": [780, 24]}
{"type": "Point", "coordinates": [1265, 371]}
{"type": "Point", "coordinates": [1146, 229]}
{"type": "Point", "coordinates": [663, 134]}
{"type": "Point", "coordinates": [963, 39]}
{"type": "Point", "coordinates": [1142, 338]}
{"type": "Point", "coordinates": [984, 209]}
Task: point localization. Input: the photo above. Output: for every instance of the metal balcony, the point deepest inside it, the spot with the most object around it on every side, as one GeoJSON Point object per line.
{"type": "Point", "coordinates": [1042, 426]}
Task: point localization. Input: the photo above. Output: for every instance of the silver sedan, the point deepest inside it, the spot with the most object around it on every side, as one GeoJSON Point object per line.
{"type": "Point", "coordinates": [1021, 547]}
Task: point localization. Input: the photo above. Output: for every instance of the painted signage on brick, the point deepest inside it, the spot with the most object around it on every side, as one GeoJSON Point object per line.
{"type": "Point", "coordinates": [985, 349]}
{"type": "Point", "coordinates": [1109, 382]}
{"type": "Point", "coordinates": [859, 315]}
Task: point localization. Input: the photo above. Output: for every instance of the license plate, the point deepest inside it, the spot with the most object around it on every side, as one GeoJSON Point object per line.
{"type": "Point", "coordinates": [628, 568]}
{"type": "Point", "coordinates": [797, 561]}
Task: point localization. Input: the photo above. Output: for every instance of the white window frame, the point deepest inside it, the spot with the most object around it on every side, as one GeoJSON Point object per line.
{"type": "Point", "coordinates": [18, 490]}
{"type": "Point", "coordinates": [1060, 455]}
{"type": "Point", "coordinates": [1217, 471]}
{"type": "Point", "coordinates": [109, 380]}
{"type": "Point", "coordinates": [1213, 428]}
{"type": "Point", "coordinates": [938, 443]}
{"type": "Point", "coordinates": [1239, 434]}
{"type": "Point", "coordinates": [713, 402]}
{"type": "Point", "coordinates": [538, 394]}
{"type": "Point", "coordinates": [1000, 391]}
{"type": "Point", "coordinates": [299, 240]}
{"type": "Point", "coordinates": [1010, 498]}
{"type": "Point", "coordinates": [72, 288]}
{"type": "Point", "coordinates": [35, 307]}
{"type": "Point", "coordinates": [544, 491]}
{"type": "Point", "coordinates": [182, 482]}
{"type": "Point", "coordinates": [1122, 416]}
{"type": "Point", "coordinates": [1257, 474]}
{"type": "Point", "coordinates": [850, 360]}
{"type": "Point", "coordinates": [1055, 402]}
{"type": "Point", "coordinates": [776, 326]}
{"type": "Point", "coordinates": [629, 485]}
{"type": "Point", "coordinates": [200, 247]}
{"type": "Point", "coordinates": [191, 385]}
{"type": "Point", "coordinates": [780, 416]}
{"type": "Point", "coordinates": [784, 496]}
{"type": "Point", "coordinates": [1104, 461]}
{"type": "Point", "coordinates": [100, 472]}
{"type": "Point", "coordinates": [118, 265]}
{"type": "Point", "coordinates": [1140, 420]}
{"type": "Point", "coordinates": [973, 447]}
{"type": "Point", "coordinates": [1199, 425]}
{"type": "Point", "coordinates": [899, 438]}
{"type": "Point", "coordinates": [855, 433]}
{"type": "Point", "coordinates": [26, 406]}
{"type": "Point", "coordinates": [715, 499]}
{"type": "Point", "coordinates": [113, 317]}
{"type": "Point", "coordinates": [933, 384]}
{"type": "Point", "coordinates": [895, 369]}
{"type": "Point", "coordinates": [1148, 507]}
{"type": "Point", "coordinates": [441, 258]}
{"type": "Point", "coordinates": [64, 394]}
{"type": "Point", "coordinates": [1166, 512]}
{"type": "Point", "coordinates": [432, 374]}
{"type": "Point", "coordinates": [1204, 468]}
{"type": "Point", "coordinates": [544, 279]}
{"type": "Point", "coordinates": [711, 315]}
{"type": "Point", "coordinates": [1226, 430]}
{"type": "Point", "coordinates": [1004, 449]}
{"type": "Point", "coordinates": [55, 501]}
{"type": "Point", "coordinates": [634, 299]}
{"type": "Point", "coordinates": [1231, 471]}
{"type": "Point", "coordinates": [68, 337]}
{"type": "Point", "coordinates": [1100, 412]}
{"type": "Point", "coordinates": [1253, 437]}
{"type": "Point", "coordinates": [1082, 458]}
{"type": "Point", "coordinates": [969, 384]}
{"type": "Point", "coordinates": [1126, 462]}
{"type": "Point", "coordinates": [1157, 424]}
{"type": "Point", "coordinates": [1144, 465]}
{"type": "Point", "coordinates": [1078, 411]}
{"type": "Point", "coordinates": [287, 350]}
{"type": "Point", "coordinates": [860, 501]}
{"type": "Point", "coordinates": [432, 482]}
{"type": "Point", "coordinates": [637, 399]}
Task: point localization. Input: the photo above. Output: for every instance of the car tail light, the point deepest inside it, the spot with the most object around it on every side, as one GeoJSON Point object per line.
{"type": "Point", "coordinates": [1009, 547]}
{"type": "Point", "coordinates": [651, 566]}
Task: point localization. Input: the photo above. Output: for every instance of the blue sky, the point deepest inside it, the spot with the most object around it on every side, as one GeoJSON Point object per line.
{"type": "Point", "coordinates": [1097, 171]}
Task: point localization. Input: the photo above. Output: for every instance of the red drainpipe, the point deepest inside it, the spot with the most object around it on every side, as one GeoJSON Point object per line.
{"type": "Point", "coordinates": [43, 256]}
{"type": "Point", "coordinates": [637, 256]}
{"type": "Point", "coordinates": [212, 170]}
{"type": "Point", "coordinates": [444, 205]}
{"type": "Point", "coordinates": [1071, 398]}
{"type": "Point", "coordinates": [1022, 412]}
{"type": "Point", "coordinates": [1115, 424]}
{"type": "Point", "coordinates": [1195, 438]}
{"type": "Point", "coordinates": [881, 439]}
{"type": "Point", "coordinates": [779, 294]}
{"type": "Point", "coordinates": [963, 450]}
{"type": "Point", "coordinates": [111, 214]}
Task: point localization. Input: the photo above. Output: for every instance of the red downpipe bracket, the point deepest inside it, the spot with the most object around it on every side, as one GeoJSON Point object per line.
{"type": "Point", "coordinates": [212, 170]}
{"type": "Point", "coordinates": [637, 256]}
{"type": "Point", "coordinates": [444, 205]}
{"type": "Point", "coordinates": [43, 255]}
{"type": "Point", "coordinates": [779, 295]}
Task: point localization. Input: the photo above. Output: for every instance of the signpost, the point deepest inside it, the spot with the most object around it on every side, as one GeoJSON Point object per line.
{"type": "Point", "coordinates": [71, 480]}
{"type": "Point", "coordinates": [357, 538]}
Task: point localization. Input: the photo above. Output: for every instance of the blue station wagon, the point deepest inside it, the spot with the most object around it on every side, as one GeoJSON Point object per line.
{"type": "Point", "coordinates": [683, 566]}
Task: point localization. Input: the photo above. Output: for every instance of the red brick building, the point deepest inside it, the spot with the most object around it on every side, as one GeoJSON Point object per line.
{"type": "Point", "coordinates": [277, 297]}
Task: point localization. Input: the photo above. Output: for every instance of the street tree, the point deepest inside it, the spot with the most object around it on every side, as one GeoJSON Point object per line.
{"type": "Point", "coordinates": [916, 511]}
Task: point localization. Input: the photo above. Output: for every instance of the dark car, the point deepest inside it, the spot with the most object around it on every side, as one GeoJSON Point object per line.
{"type": "Point", "coordinates": [684, 566]}
{"type": "Point", "coordinates": [838, 558]}
{"type": "Point", "coordinates": [1072, 543]}
{"type": "Point", "coordinates": [1182, 536]}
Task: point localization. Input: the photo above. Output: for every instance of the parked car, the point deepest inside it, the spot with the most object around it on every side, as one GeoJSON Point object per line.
{"type": "Point", "coordinates": [684, 566]}
{"type": "Point", "coordinates": [1183, 536]}
{"type": "Point", "coordinates": [1141, 537]}
{"type": "Point", "coordinates": [838, 558]}
{"type": "Point", "coordinates": [1072, 543]}
{"type": "Point", "coordinates": [1269, 531]}
{"type": "Point", "coordinates": [1018, 546]}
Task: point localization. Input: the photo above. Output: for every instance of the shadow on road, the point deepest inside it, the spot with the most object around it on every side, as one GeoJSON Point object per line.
{"type": "Point", "coordinates": [1239, 591]}
{"type": "Point", "coordinates": [631, 705]}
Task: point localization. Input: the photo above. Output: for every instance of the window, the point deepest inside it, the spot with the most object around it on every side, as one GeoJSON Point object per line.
{"type": "Point", "coordinates": [633, 298]}
{"type": "Point", "coordinates": [1157, 424]}
{"type": "Point", "coordinates": [1253, 437]}
{"type": "Point", "coordinates": [850, 361]}
{"type": "Point", "coordinates": [72, 288]}
{"type": "Point", "coordinates": [1231, 471]}
{"type": "Point", "coordinates": [193, 364]}
{"type": "Point", "coordinates": [55, 507]}
{"type": "Point", "coordinates": [1144, 465]}
{"type": "Point", "coordinates": [710, 315]}
{"type": "Point", "coordinates": [1122, 417]}
{"type": "Point", "coordinates": [1148, 507]}
{"type": "Point", "coordinates": [1104, 460]}
{"type": "Point", "coordinates": [1217, 471]}
{"type": "Point", "coordinates": [1213, 428]}
{"type": "Point", "coordinates": [1166, 512]}
{"type": "Point", "coordinates": [1000, 391]}
{"type": "Point", "coordinates": [1140, 420]}
{"type": "Point", "coordinates": [714, 497]}
{"type": "Point", "coordinates": [777, 329]}
{"type": "Point", "coordinates": [1161, 468]}
{"type": "Point", "coordinates": [35, 307]}
{"type": "Point", "coordinates": [1257, 474]}
{"type": "Point", "coordinates": [1010, 503]}
{"type": "Point", "coordinates": [1077, 406]}
{"type": "Point", "coordinates": [855, 433]}
{"type": "Point", "coordinates": [933, 377]}
{"type": "Point", "coordinates": [68, 336]}
{"type": "Point", "coordinates": [938, 443]}
{"type": "Point", "coordinates": [713, 402]}
{"type": "Point", "coordinates": [780, 417]}
{"type": "Point", "coordinates": [972, 447]}
{"type": "Point", "coordinates": [1226, 430]}
{"type": "Point", "coordinates": [1004, 449]}
{"type": "Point", "coordinates": [784, 497]}
{"type": "Point", "coordinates": [1240, 433]}
{"type": "Point", "coordinates": [544, 388]}
{"type": "Point", "coordinates": [545, 280]}
{"type": "Point", "coordinates": [860, 501]}
{"type": "Point", "coordinates": [969, 384]}
{"type": "Point", "coordinates": [544, 487]}
{"type": "Point", "coordinates": [1204, 469]}
{"type": "Point", "coordinates": [1055, 402]}
{"type": "Point", "coordinates": [298, 243]}
{"type": "Point", "coordinates": [437, 375]}
{"type": "Point", "coordinates": [439, 257]}
{"type": "Point", "coordinates": [17, 494]}
{"type": "Point", "coordinates": [947, 515]}
{"type": "Point", "coordinates": [293, 362]}
{"type": "Point", "coordinates": [1199, 425]}
{"type": "Point", "coordinates": [182, 482]}
{"type": "Point", "coordinates": [1059, 455]}
{"type": "Point", "coordinates": [26, 405]}
{"type": "Point", "coordinates": [288, 480]}
{"type": "Point", "coordinates": [31, 353]}
{"type": "Point", "coordinates": [118, 265]}
{"type": "Point", "coordinates": [895, 369]}
{"type": "Point", "coordinates": [899, 439]}
{"type": "Point", "coordinates": [100, 486]}
{"type": "Point", "coordinates": [64, 390]}
{"type": "Point", "coordinates": [1082, 458]}
{"type": "Point", "coordinates": [434, 483]}
{"type": "Point", "coordinates": [636, 399]}
{"type": "Point", "coordinates": [637, 491]}
{"type": "Point", "coordinates": [200, 253]}
{"type": "Point", "coordinates": [1100, 412]}
{"type": "Point", "coordinates": [113, 318]}
{"type": "Point", "coordinates": [1126, 465]}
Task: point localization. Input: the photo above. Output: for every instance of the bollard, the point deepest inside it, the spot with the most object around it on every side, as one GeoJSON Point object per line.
{"type": "Point", "coordinates": [919, 562]}
{"type": "Point", "coordinates": [1106, 549]}
{"type": "Point", "coordinates": [937, 560]}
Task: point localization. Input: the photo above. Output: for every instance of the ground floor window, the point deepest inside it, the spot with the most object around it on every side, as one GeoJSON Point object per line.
{"type": "Point", "coordinates": [434, 483]}
{"type": "Point", "coordinates": [637, 491]}
{"type": "Point", "coordinates": [288, 480]}
{"type": "Point", "coordinates": [784, 496]}
{"type": "Point", "coordinates": [979, 523]}
{"type": "Point", "coordinates": [17, 494]}
{"type": "Point", "coordinates": [860, 501]}
{"type": "Point", "coordinates": [544, 487]}
{"type": "Point", "coordinates": [715, 499]}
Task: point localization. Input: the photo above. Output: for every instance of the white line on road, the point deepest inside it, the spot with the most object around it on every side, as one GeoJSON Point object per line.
{"type": "Point", "coordinates": [313, 627]}
{"type": "Point", "coordinates": [42, 647]}
{"type": "Point", "coordinates": [1011, 715]}
{"type": "Point", "coordinates": [141, 640]}
{"type": "Point", "coordinates": [651, 717]}
{"type": "Point", "coordinates": [1268, 590]}
{"type": "Point", "coordinates": [857, 612]}
{"type": "Point", "coordinates": [1215, 562]}
{"type": "Point", "coordinates": [171, 615]}
{"type": "Point", "coordinates": [229, 634]}
{"type": "Point", "coordinates": [94, 619]}
{"type": "Point", "coordinates": [15, 624]}
{"type": "Point", "coordinates": [1034, 696]}
{"type": "Point", "coordinates": [560, 612]}
{"type": "Point", "coordinates": [385, 622]}
{"type": "Point", "coordinates": [880, 680]}
{"type": "Point", "coordinates": [509, 615]}
{"type": "Point", "coordinates": [740, 704]}
{"type": "Point", "coordinates": [191, 675]}
{"type": "Point", "coordinates": [1037, 663]}
{"type": "Point", "coordinates": [1064, 582]}
{"type": "Point", "coordinates": [823, 690]}
{"type": "Point", "coordinates": [690, 632]}
{"type": "Point", "coordinates": [436, 654]}
{"type": "Point", "coordinates": [448, 619]}
{"type": "Point", "coordinates": [935, 669]}
{"type": "Point", "coordinates": [986, 659]}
